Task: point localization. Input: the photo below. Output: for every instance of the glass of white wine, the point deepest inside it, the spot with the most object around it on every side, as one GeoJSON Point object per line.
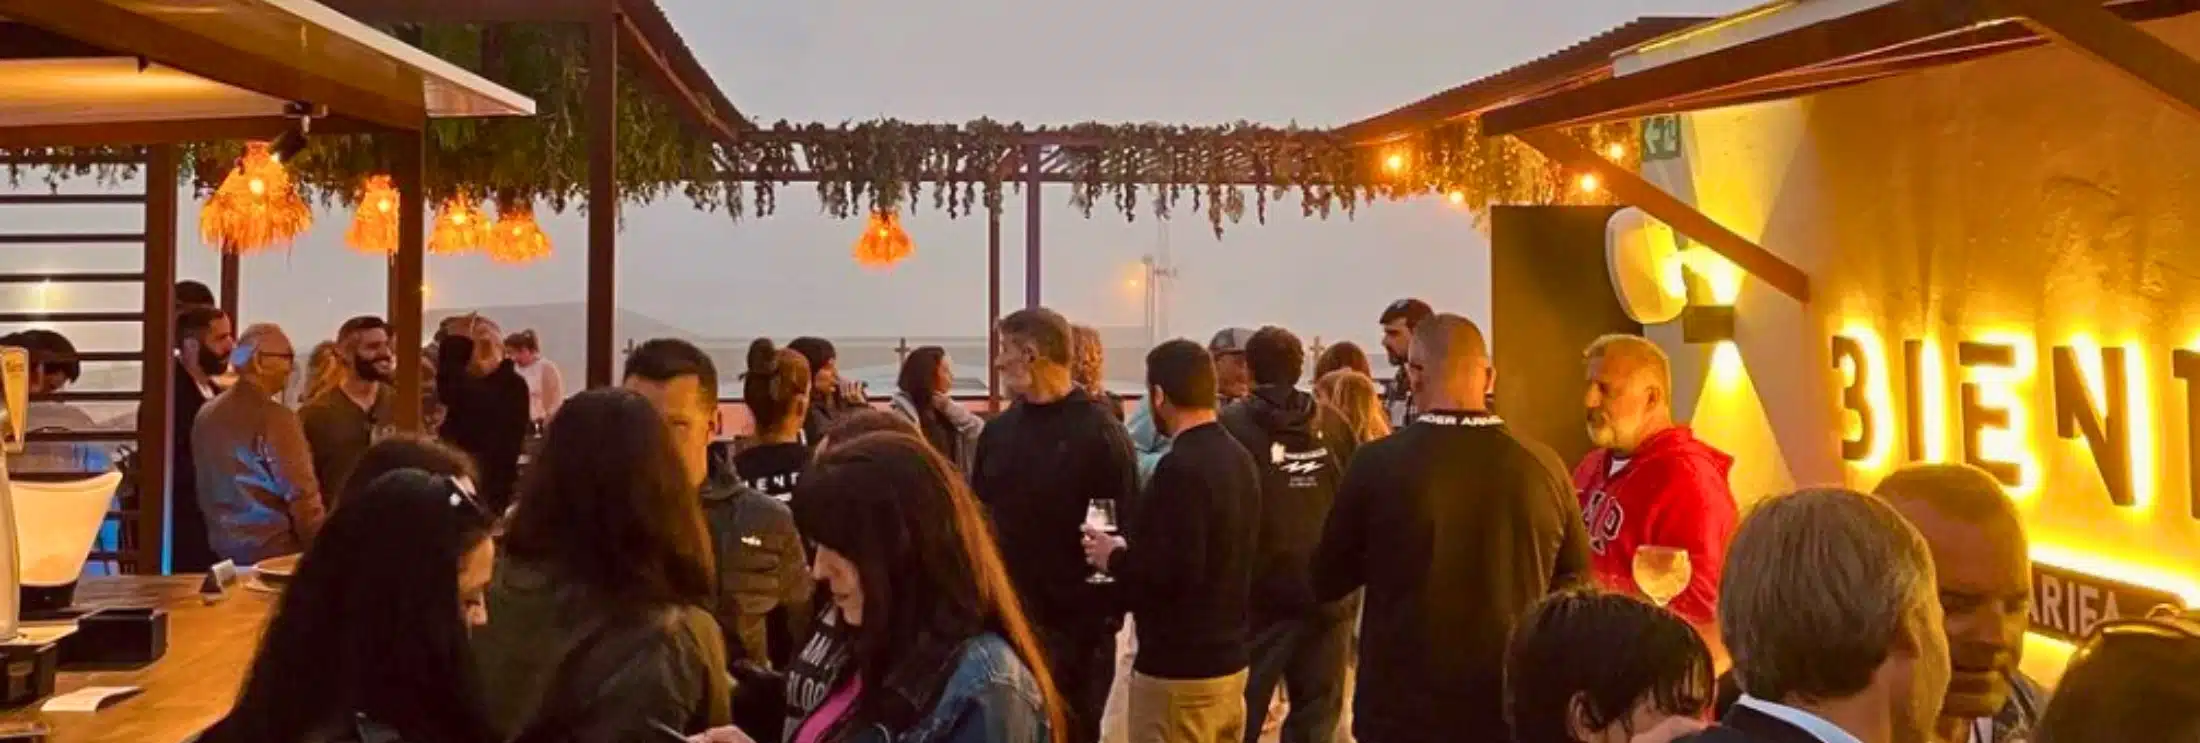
{"type": "Point", "coordinates": [1100, 514]}
{"type": "Point", "coordinates": [1661, 572]}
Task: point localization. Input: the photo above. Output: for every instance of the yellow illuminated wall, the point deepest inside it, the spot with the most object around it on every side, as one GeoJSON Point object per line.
{"type": "Point", "coordinates": [2032, 199]}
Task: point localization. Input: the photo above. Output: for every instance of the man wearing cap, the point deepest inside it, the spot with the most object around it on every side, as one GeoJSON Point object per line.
{"type": "Point", "coordinates": [1233, 379]}
{"type": "Point", "coordinates": [1398, 322]}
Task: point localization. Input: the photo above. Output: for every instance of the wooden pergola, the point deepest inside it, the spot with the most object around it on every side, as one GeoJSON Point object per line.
{"type": "Point", "coordinates": [145, 77]}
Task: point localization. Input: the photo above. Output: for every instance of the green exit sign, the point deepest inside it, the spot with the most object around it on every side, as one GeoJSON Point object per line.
{"type": "Point", "coordinates": [1661, 138]}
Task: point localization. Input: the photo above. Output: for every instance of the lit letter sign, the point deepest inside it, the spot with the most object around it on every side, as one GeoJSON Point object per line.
{"type": "Point", "coordinates": [1976, 416]}
{"type": "Point", "coordinates": [1849, 354]}
{"type": "Point", "coordinates": [2077, 412]}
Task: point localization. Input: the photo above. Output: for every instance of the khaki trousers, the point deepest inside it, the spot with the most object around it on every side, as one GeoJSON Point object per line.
{"type": "Point", "coordinates": [1188, 711]}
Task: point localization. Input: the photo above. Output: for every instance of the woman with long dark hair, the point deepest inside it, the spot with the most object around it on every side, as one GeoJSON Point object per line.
{"type": "Point", "coordinates": [924, 641]}
{"type": "Point", "coordinates": [607, 539]}
{"type": "Point", "coordinates": [776, 388]}
{"type": "Point", "coordinates": [368, 642]}
{"type": "Point", "coordinates": [921, 396]}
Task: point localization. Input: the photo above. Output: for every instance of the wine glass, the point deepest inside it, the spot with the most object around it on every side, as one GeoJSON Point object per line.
{"type": "Point", "coordinates": [1100, 514]}
{"type": "Point", "coordinates": [1661, 572]}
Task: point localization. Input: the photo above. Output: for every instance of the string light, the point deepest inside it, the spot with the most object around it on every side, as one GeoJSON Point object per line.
{"type": "Point", "coordinates": [1589, 183]}
{"type": "Point", "coordinates": [1457, 197]}
{"type": "Point", "coordinates": [1395, 163]}
{"type": "Point", "coordinates": [1616, 151]}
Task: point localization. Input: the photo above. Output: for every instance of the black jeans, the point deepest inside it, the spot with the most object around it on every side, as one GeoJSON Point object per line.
{"type": "Point", "coordinates": [1083, 667]}
{"type": "Point", "coordinates": [1308, 656]}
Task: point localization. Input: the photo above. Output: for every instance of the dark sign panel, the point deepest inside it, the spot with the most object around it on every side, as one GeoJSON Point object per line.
{"type": "Point", "coordinates": [2067, 604]}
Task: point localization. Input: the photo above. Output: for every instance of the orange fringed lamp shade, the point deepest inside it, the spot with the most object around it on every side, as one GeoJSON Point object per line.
{"type": "Point", "coordinates": [374, 227]}
{"type": "Point", "coordinates": [884, 243]}
{"type": "Point", "coordinates": [460, 227]}
{"type": "Point", "coordinates": [517, 239]}
{"type": "Point", "coordinates": [256, 207]}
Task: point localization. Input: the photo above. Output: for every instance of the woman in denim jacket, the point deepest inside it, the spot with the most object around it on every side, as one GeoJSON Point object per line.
{"type": "Point", "coordinates": [923, 640]}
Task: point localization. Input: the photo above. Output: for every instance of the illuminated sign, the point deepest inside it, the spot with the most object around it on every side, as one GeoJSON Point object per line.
{"type": "Point", "coordinates": [2098, 396]}
{"type": "Point", "coordinates": [2067, 605]}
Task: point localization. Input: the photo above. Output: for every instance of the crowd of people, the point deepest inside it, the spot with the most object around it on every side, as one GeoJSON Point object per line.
{"type": "Point", "coordinates": [1251, 553]}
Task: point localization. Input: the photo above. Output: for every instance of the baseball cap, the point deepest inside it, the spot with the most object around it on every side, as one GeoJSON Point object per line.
{"type": "Point", "coordinates": [1230, 340]}
{"type": "Point", "coordinates": [1411, 310]}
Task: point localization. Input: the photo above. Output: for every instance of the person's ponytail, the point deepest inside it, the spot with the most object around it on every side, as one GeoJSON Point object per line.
{"type": "Point", "coordinates": [775, 379]}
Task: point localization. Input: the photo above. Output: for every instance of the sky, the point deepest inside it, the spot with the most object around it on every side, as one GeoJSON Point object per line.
{"type": "Point", "coordinates": [1038, 61]}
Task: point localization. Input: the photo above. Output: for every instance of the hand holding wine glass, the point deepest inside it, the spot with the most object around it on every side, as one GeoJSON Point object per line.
{"type": "Point", "coordinates": [1100, 540]}
{"type": "Point", "coordinates": [1661, 572]}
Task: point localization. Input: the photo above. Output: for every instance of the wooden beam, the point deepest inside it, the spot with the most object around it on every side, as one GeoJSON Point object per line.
{"type": "Point", "coordinates": [156, 369]}
{"type": "Point", "coordinates": [1034, 166]}
{"type": "Point", "coordinates": [468, 11]}
{"type": "Point", "coordinates": [174, 131]}
{"type": "Point", "coordinates": [2100, 35]}
{"type": "Point", "coordinates": [666, 60]}
{"type": "Point", "coordinates": [376, 94]}
{"type": "Point", "coordinates": [407, 156]}
{"type": "Point", "coordinates": [1856, 35]}
{"type": "Point", "coordinates": [1685, 219]}
{"type": "Point", "coordinates": [602, 105]}
{"type": "Point", "coordinates": [230, 279]}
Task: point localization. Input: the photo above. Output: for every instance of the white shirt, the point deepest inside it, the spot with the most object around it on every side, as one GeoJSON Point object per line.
{"type": "Point", "coordinates": [1816, 726]}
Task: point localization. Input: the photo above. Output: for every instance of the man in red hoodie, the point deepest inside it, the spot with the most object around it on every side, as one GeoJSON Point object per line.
{"type": "Point", "coordinates": [1650, 483]}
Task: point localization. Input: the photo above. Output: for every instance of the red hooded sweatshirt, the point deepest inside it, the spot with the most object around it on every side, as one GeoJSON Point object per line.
{"type": "Point", "coordinates": [1671, 493]}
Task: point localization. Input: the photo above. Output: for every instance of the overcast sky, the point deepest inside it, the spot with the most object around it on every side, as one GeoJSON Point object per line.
{"type": "Point", "coordinates": [1038, 61]}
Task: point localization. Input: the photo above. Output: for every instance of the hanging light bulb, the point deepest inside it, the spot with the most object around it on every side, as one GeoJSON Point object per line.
{"type": "Point", "coordinates": [256, 207]}
{"type": "Point", "coordinates": [459, 227]}
{"type": "Point", "coordinates": [374, 225]}
{"type": "Point", "coordinates": [517, 238]}
{"type": "Point", "coordinates": [884, 242]}
{"type": "Point", "coordinates": [1589, 183]}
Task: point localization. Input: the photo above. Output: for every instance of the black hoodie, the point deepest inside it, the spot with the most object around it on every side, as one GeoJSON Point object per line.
{"type": "Point", "coordinates": [1301, 447]}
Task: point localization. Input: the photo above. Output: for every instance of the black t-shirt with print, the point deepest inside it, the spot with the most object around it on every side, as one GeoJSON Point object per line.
{"type": "Point", "coordinates": [772, 468]}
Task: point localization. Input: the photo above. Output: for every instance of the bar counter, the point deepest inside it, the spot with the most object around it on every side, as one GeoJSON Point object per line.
{"type": "Point", "coordinates": [209, 649]}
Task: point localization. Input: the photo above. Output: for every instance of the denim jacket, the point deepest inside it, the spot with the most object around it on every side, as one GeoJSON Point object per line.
{"type": "Point", "coordinates": [1147, 439]}
{"type": "Point", "coordinates": [988, 695]}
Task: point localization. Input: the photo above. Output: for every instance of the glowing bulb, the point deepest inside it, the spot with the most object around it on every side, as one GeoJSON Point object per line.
{"type": "Point", "coordinates": [1616, 151]}
{"type": "Point", "coordinates": [257, 186]}
{"type": "Point", "coordinates": [1394, 163]}
{"type": "Point", "coordinates": [882, 232]}
{"type": "Point", "coordinates": [383, 205]}
{"type": "Point", "coordinates": [1457, 197]}
{"type": "Point", "coordinates": [1588, 183]}
{"type": "Point", "coordinates": [458, 218]}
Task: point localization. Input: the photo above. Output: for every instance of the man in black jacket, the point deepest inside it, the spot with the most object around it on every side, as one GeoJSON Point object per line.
{"type": "Point", "coordinates": [487, 408]}
{"type": "Point", "coordinates": [1301, 448]}
{"type": "Point", "coordinates": [1038, 467]}
{"type": "Point", "coordinates": [1456, 527]}
{"type": "Point", "coordinates": [1185, 568]}
{"type": "Point", "coordinates": [204, 338]}
{"type": "Point", "coordinates": [764, 585]}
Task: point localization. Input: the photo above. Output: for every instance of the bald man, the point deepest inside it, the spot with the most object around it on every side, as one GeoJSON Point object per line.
{"type": "Point", "coordinates": [1455, 526]}
{"type": "Point", "coordinates": [1985, 573]}
{"type": "Point", "coordinates": [1650, 482]}
{"type": "Point", "coordinates": [254, 468]}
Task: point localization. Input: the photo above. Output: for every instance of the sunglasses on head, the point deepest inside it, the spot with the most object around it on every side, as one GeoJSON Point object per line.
{"type": "Point", "coordinates": [462, 495]}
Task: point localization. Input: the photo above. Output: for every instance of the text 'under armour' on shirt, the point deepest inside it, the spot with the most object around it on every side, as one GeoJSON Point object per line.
{"type": "Point", "coordinates": [1455, 527]}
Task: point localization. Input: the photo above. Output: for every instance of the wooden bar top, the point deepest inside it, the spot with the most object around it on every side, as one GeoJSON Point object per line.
{"type": "Point", "coordinates": [210, 648]}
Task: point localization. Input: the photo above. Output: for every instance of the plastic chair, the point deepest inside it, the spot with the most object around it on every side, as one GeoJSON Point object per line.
{"type": "Point", "coordinates": [56, 523]}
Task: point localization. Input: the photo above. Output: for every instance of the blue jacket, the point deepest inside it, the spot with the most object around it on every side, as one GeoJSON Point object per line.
{"type": "Point", "coordinates": [1147, 440]}
{"type": "Point", "coordinates": [988, 695]}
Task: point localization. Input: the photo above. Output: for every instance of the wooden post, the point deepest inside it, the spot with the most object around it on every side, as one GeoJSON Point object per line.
{"type": "Point", "coordinates": [992, 307]}
{"type": "Point", "coordinates": [1031, 225]}
{"type": "Point", "coordinates": [603, 193]}
{"type": "Point", "coordinates": [157, 367]}
{"type": "Point", "coordinates": [407, 154]}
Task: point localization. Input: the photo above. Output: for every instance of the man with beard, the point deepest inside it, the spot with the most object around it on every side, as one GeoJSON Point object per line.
{"type": "Point", "coordinates": [204, 339]}
{"type": "Point", "coordinates": [1651, 483]}
{"type": "Point", "coordinates": [1398, 322]}
{"type": "Point", "coordinates": [1985, 571]}
{"type": "Point", "coordinates": [343, 421]}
